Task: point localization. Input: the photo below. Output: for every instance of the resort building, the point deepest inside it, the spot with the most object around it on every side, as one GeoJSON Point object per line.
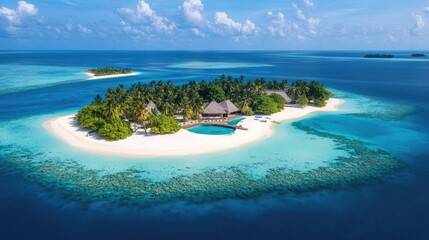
{"type": "Point", "coordinates": [229, 107]}
{"type": "Point", "coordinates": [223, 109]}
{"type": "Point", "coordinates": [151, 107]}
{"type": "Point", "coordinates": [281, 93]}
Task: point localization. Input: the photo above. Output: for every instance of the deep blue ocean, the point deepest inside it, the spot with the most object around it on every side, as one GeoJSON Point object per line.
{"type": "Point", "coordinates": [386, 107]}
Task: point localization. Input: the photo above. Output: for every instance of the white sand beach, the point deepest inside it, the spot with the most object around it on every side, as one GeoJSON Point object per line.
{"type": "Point", "coordinates": [181, 143]}
{"type": "Point", "coordinates": [93, 77]}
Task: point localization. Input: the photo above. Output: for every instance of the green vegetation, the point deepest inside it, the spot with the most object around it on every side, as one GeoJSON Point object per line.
{"type": "Point", "coordinates": [246, 110]}
{"type": "Point", "coordinates": [418, 55]}
{"type": "Point", "coordinates": [115, 130]}
{"type": "Point", "coordinates": [266, 105]}
{"type": "Point", "coordinates": [112, 115]}
{"type": "Point", "coordinates": [305, 93]}
{"type": "Point", "coordinates": [105, 71]}
{"type": "Point", "coordinates": [279, 100]}
{"type": "Point", "coordinates": [378, 56]}
{"type": "Point", "coordinates": [163, 124]}
{"type": "Point", "coordinates": [318, 94]}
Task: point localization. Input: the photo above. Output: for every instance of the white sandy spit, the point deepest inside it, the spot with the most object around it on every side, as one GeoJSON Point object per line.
{"type": "Point", "coordinates": [181, 143]}
{"type": "Point", "coordinates": [93, 77]}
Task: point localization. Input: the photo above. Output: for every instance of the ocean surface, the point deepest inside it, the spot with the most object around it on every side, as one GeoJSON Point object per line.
{"type": "Point", "coordinates": [359, 173]}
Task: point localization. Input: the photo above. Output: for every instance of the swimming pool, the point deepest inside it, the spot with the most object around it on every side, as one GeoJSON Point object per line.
{"type": "Point", "coordinates": [211, 130]}
{"type": "Point", "coordinates": [235, 121]}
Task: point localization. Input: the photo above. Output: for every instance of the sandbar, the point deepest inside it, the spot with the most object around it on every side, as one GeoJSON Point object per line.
{"type": "Point", "coordinates": [181, 143]}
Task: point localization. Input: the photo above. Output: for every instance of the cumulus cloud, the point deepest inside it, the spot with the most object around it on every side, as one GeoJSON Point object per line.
{"type": "Point", "coordinates": [83, 30]}
{"type": "Point", "coordinates": [248, 27]}
{"type": "Point", "coordinates": [192, 10]}
{"type": "Point", "coordinates": [22, 12]}
{"type": "Point", "coordinates": [313, 23]}
{"type": "Point", "coordinates": [309, 3]}
{"type": "Point", "coordinates": [222, 18]}
{"type": "Point", "coordinates": [278, 24]}
{"type": "Point", "coordinates": [302, 27]}
{"type": "Point", "coordinates": [419, 25]}
{"type": "Point", "coordinates": [145, 17]}
{"type": "Point", "coordinates": [299, 12]}
{"type": "Point", "coordinates": [14, 20]}
{"type": "Point", "coordinates": [197, 32]}
{"type": "Point", "coordinates": [419, 21]}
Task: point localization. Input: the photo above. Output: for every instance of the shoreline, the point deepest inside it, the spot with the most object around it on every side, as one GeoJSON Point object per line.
{"type": "Point", "coordinates": [182, 143]}
{"type": "Point", "coordinates": [93, 77]}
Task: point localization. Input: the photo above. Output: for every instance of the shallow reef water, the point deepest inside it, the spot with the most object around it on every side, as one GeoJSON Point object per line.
{"type": "Point", "coordinates": [366, 163]}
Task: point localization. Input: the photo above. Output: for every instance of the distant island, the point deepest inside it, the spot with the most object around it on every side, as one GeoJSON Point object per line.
{"type": "Point", "coordinates": [378, 56]}
{"type": "Point", "coordinates": [107, 71]}
{"type": "Point", "coordinates": [418, 55]}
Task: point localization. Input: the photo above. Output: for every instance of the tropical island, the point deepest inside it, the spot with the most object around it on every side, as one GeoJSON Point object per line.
{"type": "Point", "coordinates": [157, 119]}
{"type": "Point", "coordinates": [418, 55]}
{"type": "Point", "coordinates": [109, 72]}
{"type": "Point", "coordinates": [378, 55]}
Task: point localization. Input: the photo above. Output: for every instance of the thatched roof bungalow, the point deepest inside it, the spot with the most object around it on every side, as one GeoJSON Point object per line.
{"type": "Point", "coordinates": [281, 93]}
{"type": "Point", "coordinates": [229, 107]}
{"type": "Point", "coordinates": [151, 107]}
{"type": "Point", "coordinates": [213, 109]}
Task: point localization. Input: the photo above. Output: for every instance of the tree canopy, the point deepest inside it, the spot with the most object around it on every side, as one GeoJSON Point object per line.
{"type": "Point", "coordinates": [105, 71]}
{"type": "Point", "coordinates": [163, 124]}
{"type": "Point", "coordinates": [266, 105]}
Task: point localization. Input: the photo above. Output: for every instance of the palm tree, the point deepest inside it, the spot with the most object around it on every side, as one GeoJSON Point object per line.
{"type": "Point", "coordinates": [97, 99]}
{"type": "Point", "coordinates": [112, 110]}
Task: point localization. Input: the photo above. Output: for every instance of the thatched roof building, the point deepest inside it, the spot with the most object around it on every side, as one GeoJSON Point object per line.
{"type": "Point", "coordinates": [281, 93]}
{"type": "Point", "coordinates": [214, 109]}
{"type": "Point", "coordinates": [151, 107]}
{"type": "Point", "coordinates": [228, 106]}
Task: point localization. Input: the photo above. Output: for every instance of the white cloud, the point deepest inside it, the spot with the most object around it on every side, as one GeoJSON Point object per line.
{"type": "Point", "coordinates": [193, 11]}
{"type": "Point", "coordinates": [278, 24]}
{"type": "Point", "coordinates": [22, 12]}
{"type": "Point", "coordinates": [197, 32]}
{"type": "Point", "coordinates": [299, 12]}
{"type": "Point", "coordinates": [248, 27]}
{"type": "Point", "coordinates": [84, 30]}
{"type": "Point", "coordinates": [15, 20]}
{"type": "Point", "coordinates": [26, 9]}
{"type": "Point", "coordinates": [419, 22]}
{"type": "Point", "coordinates": [313, 22]}
{"type": "Point", "coordinates": [309, 3]}
{"type": "Point", "coordinates": [143, 16]}
{"type": "Point", "coordinates": [427, 10]}
{"type": "Point", "coordinates": [221, 18]}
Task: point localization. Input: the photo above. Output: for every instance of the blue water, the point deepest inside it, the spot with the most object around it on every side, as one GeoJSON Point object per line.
{"type": "Point", "coordinates": [235, 121]}
{"type": "Point", "coordinates": [212, 130]}
{"type": "Point", "coordinates": [385, 107]}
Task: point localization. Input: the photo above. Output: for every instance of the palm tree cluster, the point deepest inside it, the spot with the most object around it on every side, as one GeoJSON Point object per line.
{"type": "Point", "coordinates": [109, 71]}
{"type": "Point", "coordinates": [313, 92]}
{"type": "Point", "coordinates": [187, 100]}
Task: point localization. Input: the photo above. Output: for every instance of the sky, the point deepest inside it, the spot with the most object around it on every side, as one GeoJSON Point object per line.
{"type": "Point", "coordinates": [214, 24]}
